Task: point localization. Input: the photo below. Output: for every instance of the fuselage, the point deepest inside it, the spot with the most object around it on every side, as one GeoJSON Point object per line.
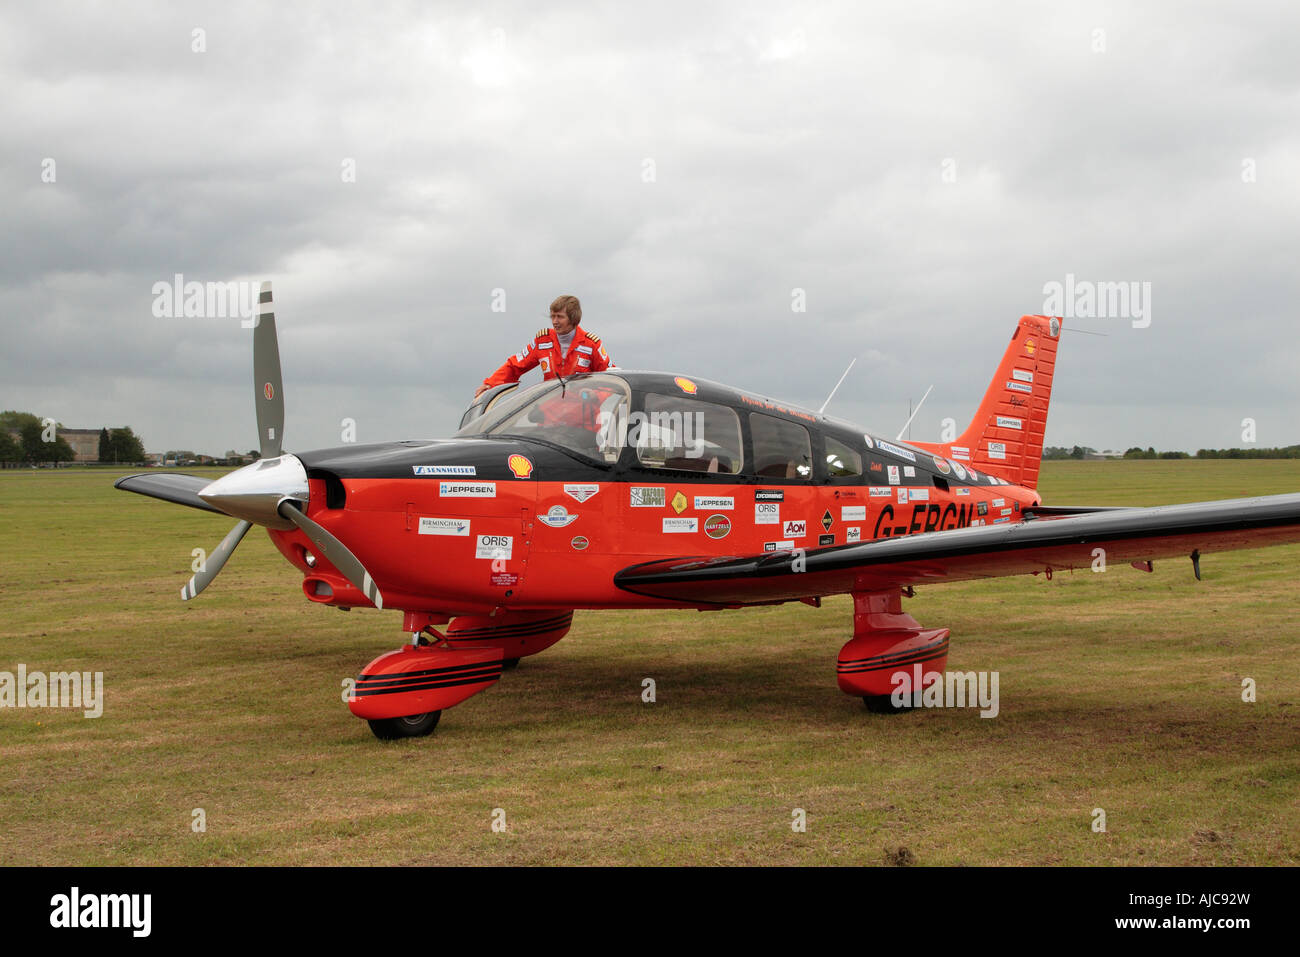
{"type": "Point", "coordinates": [542, 500]}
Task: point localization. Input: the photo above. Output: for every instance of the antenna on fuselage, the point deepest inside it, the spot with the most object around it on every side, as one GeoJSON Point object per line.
{"type": "Point", "coordinates": [837, 386]}
{"type": "Point", "coordinates": [899, 437]}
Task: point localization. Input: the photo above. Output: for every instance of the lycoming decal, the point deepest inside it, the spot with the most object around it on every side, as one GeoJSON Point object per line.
{"type": "Point", "coordinates": [769, 495]}
{"type": "Point", "coordinates": [895, 450]}
{"type": "Point", "coordinates": [467, 489]}
{"type": "Point", "coordinates": [444, 469]}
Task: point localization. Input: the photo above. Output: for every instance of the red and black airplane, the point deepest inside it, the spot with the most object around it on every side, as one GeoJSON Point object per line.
{"type": "Point", "coordinates": [648, 490]}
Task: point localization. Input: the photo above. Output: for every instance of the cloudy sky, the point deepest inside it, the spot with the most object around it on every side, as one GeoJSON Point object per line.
{"type": "Point", "coordinates": [916, 173]}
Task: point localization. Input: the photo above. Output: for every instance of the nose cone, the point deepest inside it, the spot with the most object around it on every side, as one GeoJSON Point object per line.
{"type": "Point", "coordinates": [255, 492]}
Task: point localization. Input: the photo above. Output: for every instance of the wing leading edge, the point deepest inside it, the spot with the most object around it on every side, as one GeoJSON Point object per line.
{"type": "Point", "coordinates": [1042, 544]}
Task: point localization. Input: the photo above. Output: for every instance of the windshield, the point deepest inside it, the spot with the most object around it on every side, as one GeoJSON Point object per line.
{"type": "Point", "coordinates": [586, 415]}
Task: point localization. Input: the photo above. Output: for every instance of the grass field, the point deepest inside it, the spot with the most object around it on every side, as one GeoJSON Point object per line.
{"type": "Point", "coordinates": [1119, 691]}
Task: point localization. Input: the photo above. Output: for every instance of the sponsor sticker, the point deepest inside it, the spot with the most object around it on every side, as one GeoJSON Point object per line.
{"type": "Point", "coordinates": [1006, 422]}
{"type": "Point", "coordinates": [902, 496]}
{"type": "Point", "coordinates": [581, 492]}
{"type": "Point", "coordinates": [997, 450]}
{"type": "Point", "coordinates": [1006, 511]}
{"type": "Point", "coordinates": [866, 438]}
{"type": "Point", "coordinates": [795, 528]}
{"type": "Point", "coordinates": [706, 503]}
{"type": "Point", "coordinates": [895, 450]}
{"type": "Point", "coordinates": [642, 497]}
{"type": "Point", "coordinates": [520, 465]}
{"type": "Point", "coordinates": [909, 471]}
{"type": "Point", "coordinates": [494, 546]}
{"type": "Point", "coordinates": [999, 521]}
{"type": "Point", "coordinates": [893, 475]}
{"type": "Point", "coordinates": [880, 491]}
{"type": "Point", "coordinates": [825, 540]}
{"type": "Point", "coordinates": [853, 534]}
{"type": "Point", "coordinates": [467, 489]}
{"type": "Point", "coordinates": [876, 467]}
{"type": "Point", "coordinates": [962, 491]}
{"type": "Point", "coordinates": [778, 546]}
{"type": "Point", "coordinates": [961, 452]}
{"type": "Point", "coordinates": [586, 349]}
{"type": "Point", "coordinates": [960, 470]}
{"type": "Point", "coordinates": [856, 513]}
{"type": "Point", "coordinates": [584, 362]}
{"type": "Point", "coordinates": [679, 503]}
{"type": "Point", "coordinates": [999, 502]}
{"type": "Point", "coordinates": [1020, 387]}
{"type": "Point", "coordinates": [557, 516]}
{"type": "Point", "coordinates": [981, 508]}
{"type": "Point", "coordinates": [445, 526]}
{"type": "Point", "coordinates": [717, 526]}
{"type": "Point", "coordinates": [827, 521]}
{"type": "Point", "coordinates": [1022, 375]}
{"type": "Point", "coordinates": [918, 494]}
{"type": "Point", "coordinates": [679, 525]}
{"type": "Point", "coordinates": [443, 469]}
{"type": "Point", "coordinates": [579, 542]}
{"type": "Point", "coordinates": [941, 465]}
{"type": "Point", "coordinates": [767, 513]}
{"type": "Point", "coordinates": [769, 495]}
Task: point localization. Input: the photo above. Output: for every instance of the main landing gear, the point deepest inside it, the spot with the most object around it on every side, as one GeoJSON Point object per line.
{"type": "Point", "coordinates": [889, 652]}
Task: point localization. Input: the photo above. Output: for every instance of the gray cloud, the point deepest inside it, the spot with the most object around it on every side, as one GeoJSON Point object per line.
{"type": "Point", "coordinates": [793, 147]}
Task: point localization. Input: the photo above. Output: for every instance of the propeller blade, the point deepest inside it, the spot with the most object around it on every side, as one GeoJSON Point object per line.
{"type": "Point", "coordinates": [170, 487]}
{"type": "Point", "coordinates": [215, 562]}
{"type": "Point", "coordinates": [336, 552]}
{"type": "Point", "coordinates": [266, 377]}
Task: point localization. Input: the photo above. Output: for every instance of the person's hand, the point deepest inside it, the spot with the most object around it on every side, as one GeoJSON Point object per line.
{"type": "Point", "coordinates": [481, 390]}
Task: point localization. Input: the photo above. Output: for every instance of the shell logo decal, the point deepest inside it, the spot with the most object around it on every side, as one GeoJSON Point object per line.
{"type": "Point", "coordinates": [268, 390]}
{"type": "Point", "coordinates": [520, 465]}
{"type": "Point", "coordinates": [686, 385]}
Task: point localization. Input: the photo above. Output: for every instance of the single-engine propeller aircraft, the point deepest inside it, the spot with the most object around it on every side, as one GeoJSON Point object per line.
{"type": "Point", "coordinates": [649, 490]}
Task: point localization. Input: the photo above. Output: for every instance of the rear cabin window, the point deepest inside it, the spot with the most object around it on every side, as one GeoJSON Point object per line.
{"type": "Point", "coordinates": [841, 460]}
{"type": "Point", "coordinates": [781, 449]}
{"type": "Point", "coordinates": [675, 432]}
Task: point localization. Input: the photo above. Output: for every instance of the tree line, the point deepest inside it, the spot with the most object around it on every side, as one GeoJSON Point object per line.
{"type": "Point", "coordinates": [115, 445]}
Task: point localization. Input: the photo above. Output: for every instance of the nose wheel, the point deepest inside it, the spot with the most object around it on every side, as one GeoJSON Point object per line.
{"type": "Point", "coordinates": [409, 726]}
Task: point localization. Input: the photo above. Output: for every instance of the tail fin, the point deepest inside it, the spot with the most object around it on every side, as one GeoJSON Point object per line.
{"type": "Point", "coordinates": [1006, 436]}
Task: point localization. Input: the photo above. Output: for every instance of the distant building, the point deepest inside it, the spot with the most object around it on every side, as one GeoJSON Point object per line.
{"type": "Point", "coordinates": [84, 442]}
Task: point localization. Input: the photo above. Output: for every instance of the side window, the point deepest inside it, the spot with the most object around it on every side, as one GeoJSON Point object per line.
{"type": "Point", "coordinates": [781, 449]}
{"type": "Point", "coordinates": [675, 432]}
{"type": "Point", "coordinates": [841, 460]}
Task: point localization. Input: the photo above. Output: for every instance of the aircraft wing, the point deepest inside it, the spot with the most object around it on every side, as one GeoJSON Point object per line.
{"type": "Point", "coordinates": [1055, 540]}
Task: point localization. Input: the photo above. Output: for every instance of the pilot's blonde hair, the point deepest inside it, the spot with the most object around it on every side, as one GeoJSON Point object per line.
{"type": "Point", "coordinates": [570, 306]}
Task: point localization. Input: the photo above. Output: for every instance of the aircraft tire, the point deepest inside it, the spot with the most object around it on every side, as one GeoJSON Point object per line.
{"type": "Point", "coordinates": [883, 704]}
{"type": "Point", "coordinates": [410, 726]}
